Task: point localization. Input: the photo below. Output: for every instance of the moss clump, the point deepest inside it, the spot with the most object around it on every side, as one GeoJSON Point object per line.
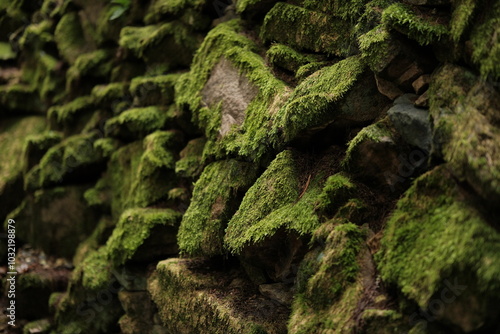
{"type": "Point", "coordinates": [6, 52]}
{"type": "Point", "coordinates": [99, 236]}
{"type": "Point", "coordinates": [38, 326]}
{"type": "Point", "coordinates": [336, 191]}
{"type": "Point", "coordinates": [110, 93]}
{"type": "Point", "coordinates": [226, 42]}
{"type": "Point", "coordinates": [70, 38]}
{"type": "Point", "coordinates": [190, 162]}
{"type": "Point", "coordinates": [157, 90]}
{"type": "Point", "coordinates": [136, 123]}
{"type": "Point", "coordinates": [36, 35]}
{"type": "Point", "coordinates": [332, 283]}
{"type": "Point", "coordinates": [433, 218]}
{"type": "Point", "coordinates": [307, 30]}
{"type": "Point", "coordinates": [312, 101]}
{"type": "Point", "coordinates": [378, 48]}
{"type": "Point", "coordinates": [36, 145]}
{"type": "Point", "coordinates": [75, 155]}
{"type": "Point", "coordinates": [404, 19]}
{"type": "Point", "coordinates": [348, 10]}
{"type": "Point", "coordinates": [20, 98]}
{"type": "Point", "coordinates": [154, 43]}
{"type": "Point", "coordinates": [463, 12]}
{"type": "Point", "coordinates": [69, 115]}
{"type": "Point", "coordinates": [273, 203]}
{"type": "Point", "coordinates": [215, 196]}
{"type": "Point", "coordinates": [485, 43]}
{"type": "Point", "coordinates": [287, 58]}
{"type": "Point", "coordinates": [308, 69]}
{"type": "Point", "coordinates": [95, 64]}
{"type": "Point", "coordinates": [107, 146]}
{"type": "Point", "coordinates": [160, 9]}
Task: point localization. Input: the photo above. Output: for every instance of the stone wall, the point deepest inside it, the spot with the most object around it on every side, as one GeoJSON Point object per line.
{"type": "Point", "coordinates": [254, 166]}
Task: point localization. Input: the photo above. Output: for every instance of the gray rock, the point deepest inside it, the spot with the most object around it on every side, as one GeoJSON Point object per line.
{"type": "Point", "coordinates": [412, 123]}
{"type": "Point", "coordinates": [233, 90]}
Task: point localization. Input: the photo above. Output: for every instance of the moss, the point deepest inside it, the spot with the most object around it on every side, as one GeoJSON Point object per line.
{"type": "Point", "coordinates": [98, 196]}
{"type": "Point", "coordinates": [74, 155]}
{"type": "Point", "coordinates": [312, 101]}
{"type": "Point", "coordinates": [36, 145]}
{"type": "Point", "coordinates": [336, 192]}
{"type": "Point", "coordinates": [95, 64]}
{"type": "Point", "coordinates": [307, 30]}
{"type": "Point", "coordinates": [348, 10]}
{"type": "Point", "coordinates": [463, 11]}
{"type": "Point", "coordinates": [95, 270]}
{"type": "Point", "coordinates": [486, 48]}
{"type": "Point", "coordinates": [69, 37]}
{"type": "Point", "coordinates": [110, 93]}
{"type": "Point", "coordinates": [36, 35]}
{"type": "Point", "coordinates": [20, 98]}
{"type": "Point", "coordinates": [404, 19]}
{"type": "Point", "coordinates": [333, 287]}
{"type": "Point", "coordinates": [161, 9]}
{"type": "Point", "coordinates": [378, 48]}
{"type": "Point", "coordinates": [107, 146]}
{"type": "Point", "coordinates": [42, 326]}
{"type": "Point", "coordinates": [287, 58]}
{"type": "Point", "coordinates": [98, 237]}
{"type": "Point", "coordinates": [157, 90]}
{"type": "Point", "coordinates": [377, 132]}
{"type": "Point", "coordinates": [272, 203]}
{"type": "Point", "coordinates": [6, 52]}
{"type": "Point", "coordinates": [68, 115]}
{"type": "Point", "coordinates": [433, 218]}
{"type": "Point", "coordinates": [215, 196]}
{"type": "Point", "coordinates": [189, 164]}
{"type": "Point", "coordinates": [136, 123]}
{"type": "Point", "coordinates": [154, 43]}
{"type": "Point", "coordinates": [134, 228]}
{"type": "Point", "coordinates": [226, 42]}
{"type": "Point", "coordinates": [308, 69]}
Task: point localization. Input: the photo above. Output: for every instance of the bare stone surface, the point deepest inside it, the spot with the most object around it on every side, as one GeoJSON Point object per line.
{"type": "Point", "coordinates": [233, 90]}
{"type": "Point", "coordinates": [388, 88]}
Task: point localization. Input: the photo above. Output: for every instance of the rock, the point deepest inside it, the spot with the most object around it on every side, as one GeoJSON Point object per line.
{"type": "Point", "coordinates": [388, 88]}
{"type": "Point", "coordinates": [406, 79]}
{"type": "Point", "coordinates": [413, 124]}
{"type": "Point", "coordinates": [423, 101]}
{"type": "Point", "coordinates": [428, 2]}
{"type": "Point", "coordinates": [278, 291]}
{"type": "Point", "coordinates": [421, 84]}
{"type": "Point", "coordinates": [227, 86]}
{"type": "Point", "coordinates": [42, 326]}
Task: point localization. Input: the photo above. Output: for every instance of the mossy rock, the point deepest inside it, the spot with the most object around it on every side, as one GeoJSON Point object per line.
{"type": "Point", "coordinates": [246, 130]}
{"type": "Point", "coordinates": [20, 98]}
{"type": "Point", "coordinates": [136, 123]}
{"type": "Point", "coordinates": [305, 29]}
{"type": "Point", "coordinates": [407, 20]}
{"type": "Point", "coordinates": [72, 116]}
{"type": "Point", "coordinates": [334, 94]}
{"type": "Point", "coordinates": [190, 162]}
{"type": "Point", "coordinates": [35, 147]}
{"type": "Point", "coordinates": [285, 57]}
{"type": "Point", "coordinates": [37, 35]}
{"type": "Point", "coordinates": [190, 12]}
{"type": "Point", "coordinates": [461, 105]}
{"type": "Point", "coordinates": [461, 261]}
{"type": "Point", "coordinates": [216, 195]}
{"type": "Point", "coordinates": [157, 90]}
{"type": "Point", "coordinates": [42, 326]}
{"type": "Point", "coordinates": [69, 37]}
{"type": "Point", "coordinates": [378, 48]}
{"type": "Point", "coordinates": [6, 52]}
{"type": "Point", "coordinates": [154, 43]}
{"type": "Point", "coordinates": [191, 301]}
{"type": "Point", "coordinates": [98, 238]}
{"type": "Point", "coordinates": [95, 65]}
{"type": "Point", "coordinates": [109, 95]}
{"type": "Point", "coordinates": [61, 209]}
{"type": "Point", "coordinates": [75, 158]}
{"type": "Point", "coordinates": [348, 10]}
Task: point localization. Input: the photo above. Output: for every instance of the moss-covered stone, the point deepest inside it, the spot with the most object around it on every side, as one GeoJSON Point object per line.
{"type": "Point", "coordinates": [72, 116]}
{"type": "Point", "coordinates": [190, 162]}
{"type": "Point", "coordinates": [110, 94]}
{"type": "Point", "coordinates": [6, 52]}
{"type": "Point", "coordinates": [42, 326]}
{"type": "Point", "coordinates": [378, 48]}
{"type": "Point", "coordinates": [307, 30]}
{"type": "Point", "coordinates": [189, 12]}
{"type": "Point", "coordinates": [59, 209]}
{"type": "Point", "coordinates": [69, 37]}
{"type": "Point", "coordinates": [287, 58]}
{"type": "Point", "coordinates": [36, 35]}
{"type": "Point", "coordinates": [406, 20]}
{"type": "Point", "coordinates": [348, 10]}
{"type": "Point", "coordinates": [215, 197]}
{"type": "Point", "coordinates": [20, 98]}
{"type": "Point", "coordinates": [157, 90]}
{"type": "Point", "coordinates": [75, 157]}
{"type": "Point", "coordinates": [463, 112]}
{"type": "Point", "coordinates": [96, 64]}
{"type": "Point", "coordinates": [136, 123]}
{"type": "Point", "coordinates": [461, 250]}
{"type": "Point", "coordinates": [35, 147]}
{"type": "Point", "coordinates": [154, 43]}
{"type": "Point", "coordinates": [336, 191]}
{"type": "Point", "coordinates": [192, 301]}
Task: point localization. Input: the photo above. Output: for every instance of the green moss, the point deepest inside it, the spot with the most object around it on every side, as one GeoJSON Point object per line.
{"type": "Point", "coordinates": [348, 10]}
{"type": "Point", "coordinates": [36, 35]}
{"type": "Point", "coordinates": [6, 52]}
{"type": "Point", "coordinates": [157, 90]}
{"type": "Point", "coordinates": [134, 228]}
{"type": "Point", "coordinates": [63, 160]}
{"type": "Point", "coordinates": [486, 48]}
{"type": "Point", "coordinates": [274, 202]}
{"type": "Point", "coordinates": [107, 146]}
{"type": "Point", "coordinates": [136, 123]}
{"type": "Point", "coordinates": [42, 326]}
{"type": "Point", "coordinates": [69, 37]}
{"type": "Point", "coordinates": [336, 192]}
{"type": "Point", "coordinates": [68, 115]}
{"type": "Point", "coordinates": [376, 132]}
{"type": "Point", "coordinates": [226, 42]}
{"type": "Point", "coordinates": [287, 58]}
{"type": "Point", "coordinates": [93, 64]}
{"type": "Point", "coordinates": [20, 98]}
{"type": "Point", "coordinates": [95, 270]}
{"type": "Point", "coordinates": [36, 145]}
{"type": "Point", "coordinates": [404, 19]}
{"type": "Point", "coordinates": [190, 162]}
{"type": "Point", "coordinates": [109, 93]}
{"type": "Point", "coordinates": [312, 101]}
{"type": "Point", "coordinates": [154, 43]}
{"type": "Point", "coordinates": [378, 48]}
{"type": "Point", "coordinates": [434, 219]}
{"type": "Point", "coordinates": [308, 69]}
{"type": "Point", "coordinates": [99, 195]}
{"type": "Point", "coordinates": [333, 281]}
{"type": "Point", "coordinates": [307, 30]}
{"type": "Point", "coordinates": [463, 11]}
{"type": "Point", "coordinates": [160, 9]}
{"type": "Point", "coordinates": [215, 196]}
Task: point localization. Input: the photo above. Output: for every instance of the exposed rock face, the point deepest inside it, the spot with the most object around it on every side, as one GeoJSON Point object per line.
{"type": "Point", "coordinates": [251, 166]}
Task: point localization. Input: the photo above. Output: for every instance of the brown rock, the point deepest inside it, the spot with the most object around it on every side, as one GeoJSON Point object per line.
{"type": "Point", "coordinates": [423, 100]}
{"type": "Point", "coordinates": [421, 84]}
{"type": "Point", "coordinates": [406, 79]}
{"type": "Point", "coordinates": [279, 292]}
{"type": "Point", "coordinates": [388, 88]}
